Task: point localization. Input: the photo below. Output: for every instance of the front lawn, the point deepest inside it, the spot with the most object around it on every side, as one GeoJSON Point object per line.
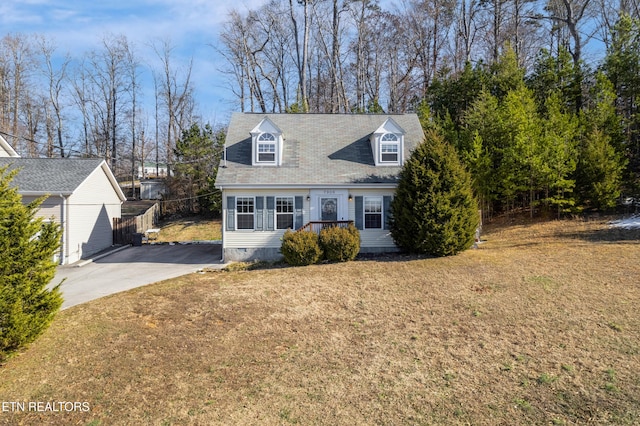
{"type": "Point", "coordinates": [190, 229]}
{"type": "Point", "coordinates": [539, 325]}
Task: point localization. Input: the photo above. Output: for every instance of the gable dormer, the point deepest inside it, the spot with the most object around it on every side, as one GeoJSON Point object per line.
{"type": "Point", "coordinates": [266, 144]}
{"type": "Point", "coordinates": [387, 144]}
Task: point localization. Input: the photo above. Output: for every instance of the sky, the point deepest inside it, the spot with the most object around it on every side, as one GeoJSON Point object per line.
{"type": "Point", "coordinates": [191, 26]}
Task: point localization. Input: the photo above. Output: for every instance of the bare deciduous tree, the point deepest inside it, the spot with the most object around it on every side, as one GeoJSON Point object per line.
{"type": "Point", "coordinates": [18, 62]}
{"type": "Point", "coordinates": [56, 77]}
{"type": "Point", "coordinates": [175, 95]}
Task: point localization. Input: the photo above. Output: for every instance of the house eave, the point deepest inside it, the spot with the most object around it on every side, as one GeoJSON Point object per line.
{"type": "Point", "coordinates": [44, 193]}
{"type": "Point", "coordinates": [308, 186]}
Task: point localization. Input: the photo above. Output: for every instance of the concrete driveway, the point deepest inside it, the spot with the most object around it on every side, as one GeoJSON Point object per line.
{"type": "Point", "coordinates": [133, 267]}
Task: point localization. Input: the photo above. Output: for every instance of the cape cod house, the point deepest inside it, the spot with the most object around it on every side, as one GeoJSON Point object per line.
{"type": "Point", "coordinates": [285, 171]}
{"type": "Point", "coordinates": [83, 196]}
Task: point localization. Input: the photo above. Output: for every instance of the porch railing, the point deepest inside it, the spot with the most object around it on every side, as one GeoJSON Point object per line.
{"type": "Point", "coordinates": [317, 226]}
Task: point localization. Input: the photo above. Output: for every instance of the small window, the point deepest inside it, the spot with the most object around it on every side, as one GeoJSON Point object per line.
{"type": "Point", "coordinates": [245, 207]}
{"type": "Point", "coordinates": [389, 148]}
{"type": "Point", "coordinates": [266, 148]}
{"type": "Point", "coordinates": [373, 212]}
{"type": "Point", "coordinates": [284, 212]}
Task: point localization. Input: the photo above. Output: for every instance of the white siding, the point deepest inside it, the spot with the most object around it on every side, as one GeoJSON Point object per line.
{"type": "Point", "coordinates": [91, 210]}
{"type": "Point", "coordinates": [369, 238]}
{"type": "Point", "coordinates": [50, 208]}
{"type": "Point", "coordinates": [258, 239]}
{"type": "Point", "coordinates": [372, 238]}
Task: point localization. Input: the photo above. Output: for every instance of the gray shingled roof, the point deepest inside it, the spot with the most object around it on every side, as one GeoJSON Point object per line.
{"type": "Point", "coordinates": [319, 149]}
{"type": "Point", "coordinates": [50, 175]}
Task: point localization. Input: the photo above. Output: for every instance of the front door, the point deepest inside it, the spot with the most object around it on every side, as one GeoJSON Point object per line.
{"type": "Point", "coordinates": [329, 205]}
{"type": "Point", "coordinates": [329, 208]}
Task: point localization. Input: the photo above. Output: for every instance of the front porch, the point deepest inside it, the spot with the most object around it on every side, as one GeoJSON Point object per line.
{"type": "Point", "coordinates": [318, 225]}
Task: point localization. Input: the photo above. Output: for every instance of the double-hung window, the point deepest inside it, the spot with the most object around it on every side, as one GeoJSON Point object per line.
{"type": "Point", "coordinates": [245, 209]}
{"type": "Point", "coordinates": [284, 212]}
{"type": "Point", "coordinates": [267, 148]}
{"type": "Point", "coordinates": [373, 212]}
{"type": "Point", "coordinates": [389, 148]}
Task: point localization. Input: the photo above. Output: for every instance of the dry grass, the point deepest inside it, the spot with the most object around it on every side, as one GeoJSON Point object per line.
{"type": "Point", "coordinates": [190, 229]}
{"type": "Point", "coordinates": [538, 326]}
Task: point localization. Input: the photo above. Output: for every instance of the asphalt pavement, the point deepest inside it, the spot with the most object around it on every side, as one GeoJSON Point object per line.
{"type": "Point", "coordinates": [130, 267]}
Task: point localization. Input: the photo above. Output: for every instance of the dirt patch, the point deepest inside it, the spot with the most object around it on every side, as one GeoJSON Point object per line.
{"type": "Point", "coordinates": [534, 327]}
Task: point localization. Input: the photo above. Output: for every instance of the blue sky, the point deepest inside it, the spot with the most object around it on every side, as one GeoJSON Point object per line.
{"type": "Point", "coordinates": [78, 26]}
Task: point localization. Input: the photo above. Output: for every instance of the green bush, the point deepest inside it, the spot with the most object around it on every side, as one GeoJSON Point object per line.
{"type": "Point", "coordinates": [434, 211]}
{"type": "Point", "coordinates": [27, 247]}
{"type": "Point", "coordinates": [300, 248]}
{"type": "Point", "coordinates": [340, 244]}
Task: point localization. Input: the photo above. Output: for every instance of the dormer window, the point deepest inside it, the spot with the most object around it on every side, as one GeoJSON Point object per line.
{"type": "Point", "coordinates": [267, 144]}
{"type": "Point", "coordinates": [266, 148]}
{"type": "Point", "coordinates": [389, 148]}
{"type": "Point", "coordinates": [387, 144]}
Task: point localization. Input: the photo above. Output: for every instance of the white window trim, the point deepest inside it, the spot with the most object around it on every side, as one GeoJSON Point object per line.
{"type": "Point", "coordinates": [237, 213]}
{"type": "Point", "coordinates": [395, 143]}
{"type": "Point", "coordinates": [273, 143]}
{"type": "Point", "coordinates": [292, 213]}
{"type": "Point", "coordinates": [364, 211]}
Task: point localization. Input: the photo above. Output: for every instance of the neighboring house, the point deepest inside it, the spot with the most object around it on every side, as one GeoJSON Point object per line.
{"type": "Point", "coordinates": [83, 197]}
{"type": "Point", "coordinates": [6, 150]}
{"type": "Point", "coordinates": [149, 170]}
{"type": "Point", "coordinates": [310, 170]}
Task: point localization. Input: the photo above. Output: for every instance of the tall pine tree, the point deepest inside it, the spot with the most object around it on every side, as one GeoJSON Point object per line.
{"type": "Point", "coordinates": [27, 247]}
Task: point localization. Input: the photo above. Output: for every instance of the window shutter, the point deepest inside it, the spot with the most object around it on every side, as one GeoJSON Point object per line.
{"type": "Point", "coordinates": [386, 209]}
{"type": "Point", "coordinates": [259, 213]}
{"type": "Point", "coordinates": [270, 213]}
{"type": "Point", "coordinates": [359, 212]}
{"type": "Point", "coordinates": [231, 213]}
{"type": "Point", "coordinates": [298, 213]}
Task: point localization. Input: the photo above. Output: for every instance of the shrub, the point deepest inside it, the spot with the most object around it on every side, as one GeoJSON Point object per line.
{"type": "Point", "coordinates": [434, 211]}
{"type": "Point", "coordinates": [300, 248]}
{"type": "Point", "coordinates": [340, 244]}
{"type": "Point", "coordinates": [27, 247]}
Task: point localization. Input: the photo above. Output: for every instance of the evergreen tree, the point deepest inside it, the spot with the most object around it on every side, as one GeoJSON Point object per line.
{"type": "Point", "coordinates": [434, 211]}
{"type": "Point", "coordinates": [198, 153]}
{"type": "Point", "coordinates": [451, 97]}
{"type": "Point", "coordinates": [622, 66]}
{"type": "Point", "coordinates": [559, 151]}
{"type": "Point", "coordinates": [27, 247]}
{"type": "Point", "coordinates": [599, 172]}
{"type": "Point", "coordinates": [556, 74]}
{"type": "Point", "coordinates": [521, 169]}
{"type": "Point", "coordinates": [506, 74]}
{"type": "Point", "coordinates": [601, 163]}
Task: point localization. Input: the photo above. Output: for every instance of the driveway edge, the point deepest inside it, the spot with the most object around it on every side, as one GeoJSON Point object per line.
{"type": "Point", "coordinates": [100, 256]}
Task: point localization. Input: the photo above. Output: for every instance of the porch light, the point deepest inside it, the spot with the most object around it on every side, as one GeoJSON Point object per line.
{"type": "Point", "coordinates": [350, 197]}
